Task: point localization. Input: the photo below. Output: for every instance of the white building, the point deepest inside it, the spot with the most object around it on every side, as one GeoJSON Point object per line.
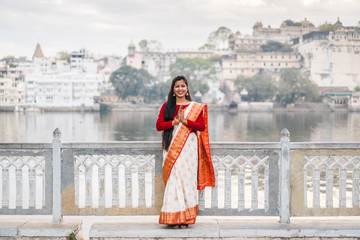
{"type": "Point", "coordinates": [12, 87]}
{"type": "Point", "coordinates": [249, 64]}
{"type": "Point", "coordinates": [331, 59]}
{"type": "Point", "coordinates": [61, 89]}
{"type": "Point", "coordinates": [57, 84]}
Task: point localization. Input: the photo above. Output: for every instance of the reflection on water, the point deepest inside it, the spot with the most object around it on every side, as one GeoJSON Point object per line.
{"type": "Point", "coordinates": [139, 126]}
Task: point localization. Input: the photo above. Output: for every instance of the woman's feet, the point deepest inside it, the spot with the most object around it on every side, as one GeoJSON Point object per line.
{"type": "Point", "coordinates": [176, 226]}
{"type": "Point", "coordinates": [183, 226]}
{"type": "Point", "coordinates": [173, 226]}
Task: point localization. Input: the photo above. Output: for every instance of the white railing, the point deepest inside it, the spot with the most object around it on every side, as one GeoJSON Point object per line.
{"type": "Point", "coordinates": [114, 178]}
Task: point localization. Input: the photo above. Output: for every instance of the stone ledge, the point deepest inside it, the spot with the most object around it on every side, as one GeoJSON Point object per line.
{"type": "Point", "coordinates": [228, 227]}
{"type": "Point", "coordinates": [39, 229]}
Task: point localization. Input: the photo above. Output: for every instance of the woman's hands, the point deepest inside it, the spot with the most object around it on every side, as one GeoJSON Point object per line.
{"type": "Point", "coordinates": [180, 117]}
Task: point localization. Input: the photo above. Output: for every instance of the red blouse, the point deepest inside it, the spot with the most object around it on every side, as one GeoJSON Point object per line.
{"type": "Point", "coordinates": [161, 124]}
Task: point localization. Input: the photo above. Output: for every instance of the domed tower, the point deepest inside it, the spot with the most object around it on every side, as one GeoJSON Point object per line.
{"type": "Point", "coordinates": [131, 49]}
{"type": "Point", "coordinates": [257, 28]}
{"type": "Point", "coordinates": [338, 24]}
{"type": "Point", "coordinates": [305, 23]}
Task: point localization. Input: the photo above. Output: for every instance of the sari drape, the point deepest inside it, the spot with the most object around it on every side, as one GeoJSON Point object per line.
{"type": "Point", "coordinates": [187, 167]}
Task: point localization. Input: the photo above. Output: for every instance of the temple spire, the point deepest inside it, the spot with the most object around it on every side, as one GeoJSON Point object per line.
{"type": "Point", "coordinates": [38, 53]}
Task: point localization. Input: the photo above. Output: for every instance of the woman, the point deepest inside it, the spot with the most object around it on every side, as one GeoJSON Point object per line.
{"type": "Point", "coordinates": [187, 165]}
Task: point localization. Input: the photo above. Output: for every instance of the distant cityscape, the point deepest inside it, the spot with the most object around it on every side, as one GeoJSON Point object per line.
{"type": "Point", "coordinates": [331, 59]}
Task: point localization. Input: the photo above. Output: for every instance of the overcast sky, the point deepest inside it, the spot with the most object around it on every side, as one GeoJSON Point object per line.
{"type": "Point", "coordinates": [107, 26]}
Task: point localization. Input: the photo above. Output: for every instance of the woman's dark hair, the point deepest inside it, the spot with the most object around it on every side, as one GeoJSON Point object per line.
{"type": "Point", "coordinates": [169, 110]}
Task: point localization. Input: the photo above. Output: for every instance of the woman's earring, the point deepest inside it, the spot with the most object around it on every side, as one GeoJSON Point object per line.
{"type": "Point", "coordinates": [173, 94]}
{"type": "Point", "coordinates": [187, 94]}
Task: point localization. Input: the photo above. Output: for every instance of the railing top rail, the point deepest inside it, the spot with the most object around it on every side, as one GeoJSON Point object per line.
{"type": "Point", "coordinates": [156, 145]}
{"type": "Point", "coordinates": [143, 145]}
{"type": "Point", "coordinates": [24, 146]}
{"type": "Point", "coordinates": [245, 145]}
{"type": "Point", "coordinates": [323, 145]}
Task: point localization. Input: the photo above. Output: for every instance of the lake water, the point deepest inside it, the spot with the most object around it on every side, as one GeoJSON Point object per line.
{"type": "Point", "coordinates": [140, 126]}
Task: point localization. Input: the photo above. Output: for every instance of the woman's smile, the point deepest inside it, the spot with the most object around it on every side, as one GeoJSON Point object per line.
{"type": "Point", "coordinates": [180, 88]}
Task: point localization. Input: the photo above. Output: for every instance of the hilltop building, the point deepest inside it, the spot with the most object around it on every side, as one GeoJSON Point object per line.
{"type": "Point", "coordinates": [249, 64]}
{"type": "Point", "coordinates": [239, 43]}
{"type": "Point", "coordinates": [331, 59]}
{"type": "Point", "coordinates": [284, 33]}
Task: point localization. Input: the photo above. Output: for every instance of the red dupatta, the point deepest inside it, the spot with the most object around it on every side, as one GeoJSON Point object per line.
{"type": "Point", "coordinates": [206, 176]}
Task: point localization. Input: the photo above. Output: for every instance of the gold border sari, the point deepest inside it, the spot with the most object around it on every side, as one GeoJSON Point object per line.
{"type": "Point", "coordinates": [187, 167]}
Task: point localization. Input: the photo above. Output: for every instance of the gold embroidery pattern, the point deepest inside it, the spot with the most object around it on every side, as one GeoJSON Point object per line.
{"type": "Point", "coordinates": [179, 141]}
{"type": "Point", "coordinates": [185, 217]}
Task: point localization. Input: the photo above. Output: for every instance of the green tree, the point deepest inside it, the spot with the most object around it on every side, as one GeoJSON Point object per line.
{"type": "Point", "coordinates": [150, 45]}
{"type": "Point", "coordinates": [207, 47]}
{"type": "Point", "coordinates": [260, 87]}
{"type": "Point", "coordinates": [328, 27]}
{"type": "Point", "coordinates": [157, 91]}
{"type": "Point", "coordinates": [357, 88]}
{"type": "Point", "coordinates": [63, 55]}
{"type": "Point", "coordinates": [8, 59]}
{"type": "Point", "coordinates": [275, 46]}
{"type": "Point", "coordinates": [220, 37]}
{"type": "Point", "coordinates": [197, 70]}
{"type": "Point", "coordinates": [294, 86]}
{"type": "Point", "coordinates": [129, 81]}
{"type": "Point", "coordinates": [289, 22]}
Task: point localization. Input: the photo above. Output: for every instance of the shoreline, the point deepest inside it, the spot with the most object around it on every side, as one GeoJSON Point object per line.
{"type": "Point", "coordinates": [242, 107]}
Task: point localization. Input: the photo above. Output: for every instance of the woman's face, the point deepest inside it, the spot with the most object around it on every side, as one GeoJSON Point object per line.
{"type": "Point", "coordinates": [180, 89]}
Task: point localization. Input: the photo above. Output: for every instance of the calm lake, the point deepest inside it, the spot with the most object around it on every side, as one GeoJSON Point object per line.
{"type": "Point", "coordinates": [140, 126]}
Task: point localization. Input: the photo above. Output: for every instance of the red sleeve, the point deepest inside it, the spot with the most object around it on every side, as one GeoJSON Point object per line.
{"type": "Point", "coordinates": [198, 125]}
{"type": "Point", "coordinates": [161, 124]}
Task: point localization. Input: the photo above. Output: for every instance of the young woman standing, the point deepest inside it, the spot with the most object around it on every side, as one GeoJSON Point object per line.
{"type": "Point", "coordinates": [187, 165]}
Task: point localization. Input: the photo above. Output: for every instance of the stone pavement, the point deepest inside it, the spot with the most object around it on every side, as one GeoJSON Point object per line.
{"type": "Point", "coordinates": [38, 227]}
{"type": "Point", "coordinates": [216, 227]}
{"type": "Point", "coordinates": [206, 227]}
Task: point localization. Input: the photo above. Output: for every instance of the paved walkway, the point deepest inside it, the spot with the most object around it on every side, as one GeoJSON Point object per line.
{"type": "Point", "coordinates": [228, 227]}
{"type": "Point", "coordinates": [206, 227]}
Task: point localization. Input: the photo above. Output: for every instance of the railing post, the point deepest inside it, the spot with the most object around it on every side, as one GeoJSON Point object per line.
{"type": "Point", "coordinates": [57, 201]}
{"type": "Point", "coordinates": [285, 177]}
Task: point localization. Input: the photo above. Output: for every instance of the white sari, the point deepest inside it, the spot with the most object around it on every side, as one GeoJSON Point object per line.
{"type": "Point", "coordinates": [180, 205]}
